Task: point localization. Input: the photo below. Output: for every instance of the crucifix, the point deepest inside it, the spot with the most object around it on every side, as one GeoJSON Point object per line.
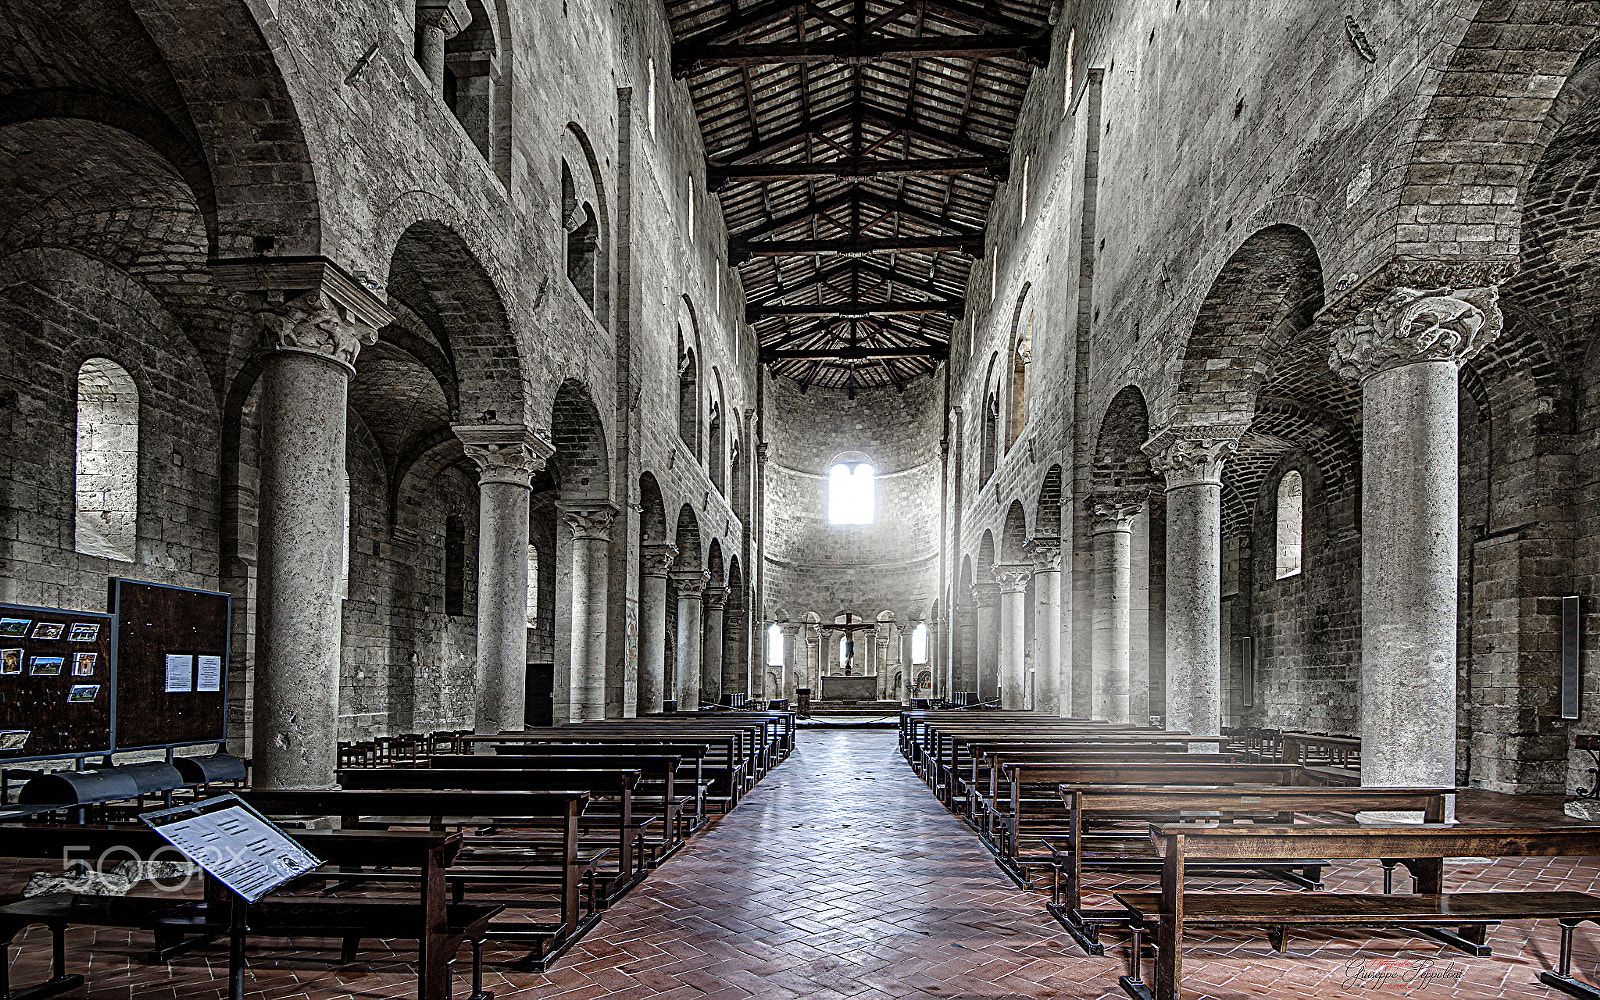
{"type": "Point", "coordinates": [850, 626]}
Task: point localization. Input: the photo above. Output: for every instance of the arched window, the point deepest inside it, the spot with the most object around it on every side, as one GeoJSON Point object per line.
{"type": "Point", "coordinates": [533, 586]}
{"type": "Point", "coordinates": [583, 236]}
{"type": "Point", "coordinates": [688, 396]}
{"type": "Point", "coordinates": [850, 493]}
{"type": "Point", "coordinates": [344, 545]}
{"type": "Point", "coordinates": [775, 646]}
{"type": "Point", "coordinates": [991, 435]}
{"type": "Point", "coordinates": [469, 72]}
{"type": "Point", "coordinates": [919, 643]}
{"type": "Point", "coordinates": [1021, 368]}
{"type": "Point", "coordinates": [1291, 524]}
{"type": "Point", "coordinates": [714, 458]}
{"type": "Point", "coordinates": [107, 472]}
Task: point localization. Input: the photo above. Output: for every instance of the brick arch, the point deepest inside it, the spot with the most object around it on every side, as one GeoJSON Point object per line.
{"type": "Point", "coordinates": [209, 74]}
{"type": "Point", "coordinates": [986, 558]}
{"type": "Point", "coordinates": [581, 463]}
{"type": "Point", "coordinates": [1118, 461]}
{"type": "Point", "coordinates": [653, 510]}
{"type": "Point", "coordinates": [1266, 293]}
{"type": "Point", "coordinates": [1014, 534]}
{"type": "Point", "coordinates": [1047, 518]}
{"type": "Point", "coordinates": [433, 273]}
{"type": "Point", "coordinates": [1484, 125]}
{"type": "Point", "coordinates": [715, 564]}
{"type": "Point", "coordinates": [687, 537]}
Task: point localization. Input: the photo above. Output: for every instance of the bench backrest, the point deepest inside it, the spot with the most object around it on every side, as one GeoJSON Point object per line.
{"type": "Point", "coordinates": [1151, 802]}
{"type": "Point", "coordinates": [597, 780]}
{"type": "Point", "coordinates": [1195, 841]}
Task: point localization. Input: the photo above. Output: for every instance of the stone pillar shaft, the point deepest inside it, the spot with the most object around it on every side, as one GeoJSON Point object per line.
{"type": "Point", "coordinates": [299, 617]}
{"type": "Point", "coordinates": [715, 607]}
{"type": "Point", "coordinates": [986, 639]}
{"type": "Point", "coordinates": [691, 633]}
{"type": "Point", "coordinates": [1047, 627]}
{"type": "Point", "coordinates": [1012, 642]}
{"type": "Point", "coordinates": [1113, 572]}
{"type": "Point", "coordinates": [590, 525]}
{"type": "Point", "coordinates": [1192, 458]}
{"type": "Point", "coordinates": [438, 21]}
{"type": "Point", "coordinates": [1407, 350]}
{"type": "Point", "coordinates": [654, 561]}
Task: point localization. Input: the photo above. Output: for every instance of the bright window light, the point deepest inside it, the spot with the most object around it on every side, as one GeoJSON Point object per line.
{"type": "Point", "coordinates": [774, 646]}
{"type": "Point", "coordinates": [850, 494]}
{"type": "Point", "coordinates": [919, 644]}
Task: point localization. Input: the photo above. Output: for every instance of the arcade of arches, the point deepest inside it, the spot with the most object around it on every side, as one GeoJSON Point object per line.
{"type": "Point", "coordinates": [1206, 369]}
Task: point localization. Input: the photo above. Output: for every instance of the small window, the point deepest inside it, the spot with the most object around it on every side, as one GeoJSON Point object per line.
{"type": "Point", "coordinates": [850, 494]}
{"type": "Point", "coordinates": [344, 545]}
{"type": "Point", "coordinates": [455, 565]}
{"type": "Point", "coordinates": [689, 193]}
{"type": "Point", "coordinates": [919, 643]}
{"type": "Point", "coordinates": [1021, 368]}
{"type": "Point", "coordinates": [775, 646]}
{"type": "Point", "coordinates": [688, 397]}
{"type": "Point", "coordinates": [106, 480]}
{"type": "Point", "coordinates": [994, 272]}
{"type": "Point", "coordinates": [1291, 524]}
{"type": "Point", "coordinates": [650, 94]}
{"type": "Point", "coordinates": [583, 237]}
{"type": "Point", "coordinates": [1072, 43]}
{"type": "Point", "coordinates": [533, 586]}
{"type": "Point", "coordinates": [1027, 166]}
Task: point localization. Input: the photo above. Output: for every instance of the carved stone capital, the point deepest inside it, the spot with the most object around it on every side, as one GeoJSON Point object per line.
{"type": "Point", "coordinates": [1012, 578]}
{"type": "Point", "coordinates": [504, 453]}
{"type": "Point", "coordinates": [449, 16]}
{"type": "Point", "coordinates": [691, 582]}
{"type": "Point", "coordinates": [716, 598]}
{"type": "Point", "coordinates": [1410, 325]}
{"type": "Point", "coordinates": [1046, 554]}
{"type": "Point", "coordinates": [1114, 511]}
{"type": "Point", "coordinates": [656, 558]}
{"type": "Point", "coordinates": [588, 521]}
{"type": "Point", "coordinates": [307, 305]}
{"type": "Point", "coordinates": [1193, 455]}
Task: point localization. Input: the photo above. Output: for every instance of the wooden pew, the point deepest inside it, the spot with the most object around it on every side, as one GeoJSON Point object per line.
{"type": "Point", "coordinates": [1430, 909]}
{"type": "Point", "coordinates": [1108, 830]}
{"type": "Point", "coordinates": [560, 875]}
{"type": "Point", "coordinates": [1027, 808]}
{"type": "Point", "coordinates": [670, 783]}
{"type": "Point", "coordinates": [617, 831]}
{"type": "Point", "coordinates": [437, 925]}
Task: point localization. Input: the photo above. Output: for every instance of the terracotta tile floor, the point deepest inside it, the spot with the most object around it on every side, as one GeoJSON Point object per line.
{"type": "Point", "coordinates": [840, 876]}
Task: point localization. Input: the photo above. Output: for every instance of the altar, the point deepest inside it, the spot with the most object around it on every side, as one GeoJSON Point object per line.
{"type": "Point", "coordinates": [852, 688]}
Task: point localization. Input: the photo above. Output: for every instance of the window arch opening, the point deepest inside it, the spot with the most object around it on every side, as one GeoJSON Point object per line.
{"type": "Point", "coordinates": [1021, 369]}
{"type": "Point", "coordinates": [774, 646]}
{"type": "Point", "coordinates": [688, 396]}
{"type": "Point", "coordinates": [106, 480]}
{"type": "Point", "coordinates": [583, 237]}
{"type": "Point", "coordinates": [851, 493]}
{"type": "Point", "coordinates": [1291, 525]}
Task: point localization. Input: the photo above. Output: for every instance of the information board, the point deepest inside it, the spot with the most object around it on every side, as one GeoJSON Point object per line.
{"type": "Point", "coordinates": [172, 664]}
{"type": "Point", "coordinates": [238, 846]}
{"type": "Point", "coordinates": [56, 678]}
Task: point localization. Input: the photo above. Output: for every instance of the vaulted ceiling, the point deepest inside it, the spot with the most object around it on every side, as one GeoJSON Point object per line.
{"type": "Point", "coordinates": [856, 146]}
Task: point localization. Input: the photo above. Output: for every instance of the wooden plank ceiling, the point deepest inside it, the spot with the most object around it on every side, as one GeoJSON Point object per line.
{"type": "Point", "coordinates": [856, 146]}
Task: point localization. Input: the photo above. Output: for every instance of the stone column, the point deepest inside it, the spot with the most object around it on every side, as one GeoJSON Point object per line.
{"type": "Point", "coordinates": [1407, 351]}
{"type": "Point", "coordinates": [908, 669]}
{"type": "Point", "coordinates": [813, 671]}
{"type": "Point", "coordinates": [655, 560]}
{"type": "Point", "coordinates": [590, 524]}
{"type": "Point", "coordinates": [312, 321]}
{"type": "Point", "coordinates": [791, 644]}
{"type": "Point", "coordinates": [1191, 458]}
{"type": "Point", "coordinates": [507, 456]}
{"type": "Point", "coordinates": [1111, 521]}
{"type": "Point", "coordinates": [438, 21]}
{"type": "Point", "coordinates": [1046, 554]}
{"type": "Point", "coordinates": [691, 586]}
{"type": "Point", "coordinates": [1012, 579]}
{"type": "Point", "coordinates": [880, 660]}
{"type": "Point", "coordinates": [714, 603]}
{"type": "Point", "coordinates": [986, 636]}
{"type": "Point", "coordinates": [736, 647]}
{"type": "Point", "coordinates": [965, 669]}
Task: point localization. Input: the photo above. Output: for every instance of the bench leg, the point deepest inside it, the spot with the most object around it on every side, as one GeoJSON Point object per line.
{"type": "Point", "coordinates": [1561, 979]}
{"type": "Point", "coordinates": [478, 992]}
{"type": "Point", "coordinates": [1131, 983]}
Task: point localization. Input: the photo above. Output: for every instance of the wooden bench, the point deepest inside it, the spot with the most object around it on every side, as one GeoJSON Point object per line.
{"type": "Point", "coordinates": [671, 785]}
{"type": "Point", "coordinates": [438, 926]}
{"type": "Point", "coordinates": [615, 829]}
{"type": "Point", "coordinates": [559, 877]}
{"type": "Point", "coordinates": [1108, 830]}
{"type": "Point", "coordinates": [1421, 849]}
